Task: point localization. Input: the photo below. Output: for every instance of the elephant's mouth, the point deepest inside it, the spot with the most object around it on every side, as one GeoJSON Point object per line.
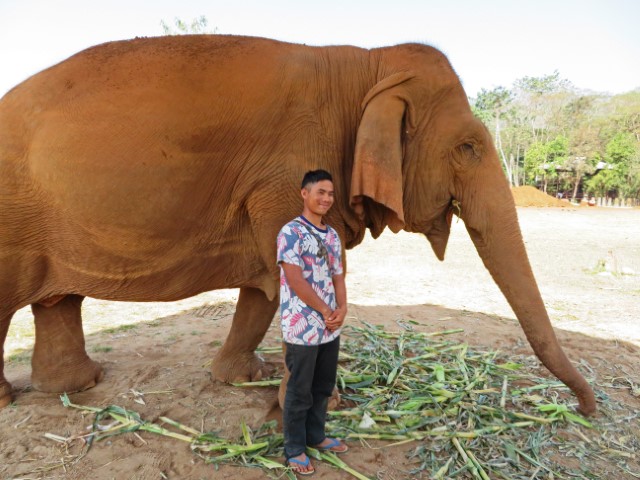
{"type": "Point", "coordinates": [439, 229]}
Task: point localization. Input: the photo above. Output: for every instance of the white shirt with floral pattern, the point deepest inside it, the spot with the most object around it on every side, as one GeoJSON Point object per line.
{"type": "Point", "coordinates": [301, 324]}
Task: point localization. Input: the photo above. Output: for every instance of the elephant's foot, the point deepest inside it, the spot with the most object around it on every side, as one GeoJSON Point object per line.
{"type": "Point", "coordinates": [5, 393]}
{"type": "Point", "coordinates": [236, 361]}
{"type": "Point", "coordinates": [237, 367]}
{"type": "Point", "coordinates": [67, 378]}
{"type": "Point", "coordinates": [334, 400]}
{"type": "Point", "coordinates": [60, 362]}
{"type": "Point", "coordinates": [5, 387]}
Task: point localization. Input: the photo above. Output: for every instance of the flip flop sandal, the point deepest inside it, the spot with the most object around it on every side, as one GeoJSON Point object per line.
{"type": "Point", "coordinates": [334, 446]}
{"type": "Point", "coordinates": [293, 462]}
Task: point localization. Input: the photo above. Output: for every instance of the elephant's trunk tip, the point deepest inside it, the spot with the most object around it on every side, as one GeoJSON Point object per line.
{"type": "Point", "coordinates": [587, 403]}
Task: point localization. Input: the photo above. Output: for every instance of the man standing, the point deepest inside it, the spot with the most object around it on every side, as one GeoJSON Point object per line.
{"type": "Point", "coordinates": [313, 305]}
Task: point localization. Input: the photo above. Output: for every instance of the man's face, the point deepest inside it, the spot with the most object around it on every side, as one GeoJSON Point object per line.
{"type": "Point", "coordinates": [318, 197]}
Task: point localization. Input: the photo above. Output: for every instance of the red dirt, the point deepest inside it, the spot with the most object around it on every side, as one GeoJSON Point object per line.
{"type": "Point", "coordinates": [532, 197]}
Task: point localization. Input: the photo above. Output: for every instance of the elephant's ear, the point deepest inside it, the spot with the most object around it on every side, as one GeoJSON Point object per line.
{"type": "Point", "coordinates": [377, 165]}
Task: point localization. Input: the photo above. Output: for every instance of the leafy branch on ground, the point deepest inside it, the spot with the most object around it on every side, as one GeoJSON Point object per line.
{"type": "Point", "coordinates": [468, 413]}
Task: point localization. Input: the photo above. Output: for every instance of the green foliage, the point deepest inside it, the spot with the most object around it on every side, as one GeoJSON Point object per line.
{"type": "Point", "coordinates": [544, 158]}
{"type": "Point", "coordinates": [535, 158]}
{"type": "Point", "coordinates": [484, 115]}
{"type": "Point", "coordinates": [490, 105]}
{"type": "Point", "coordinates": [601, 183]}
{"type": "Point", "coordinates": [493, 100]}
{"type": "Point", "coordinates": [621, 172]}
{"type": "Point", "coordinates": [621, 148]}
{"type": "Point", "coordinates": [543, 85]}
{"type": "Point", "coordinates": [624, 114]}
{"type": "Point", "coordinates": [180, 27]}
{"type": "Point", "coordinates": [558, 149]}
{"type": "Point", "coordinates": [549, 134]}
{"type": "Point", "coordinates": [631, 188]}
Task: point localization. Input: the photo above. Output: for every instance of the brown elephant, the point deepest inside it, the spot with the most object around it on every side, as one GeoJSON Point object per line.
{"type": "Point", "coordinates": [158, 168]}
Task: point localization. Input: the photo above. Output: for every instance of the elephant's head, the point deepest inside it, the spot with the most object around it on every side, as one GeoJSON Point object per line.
{"type": "Point", "coordinates": [421, 156]}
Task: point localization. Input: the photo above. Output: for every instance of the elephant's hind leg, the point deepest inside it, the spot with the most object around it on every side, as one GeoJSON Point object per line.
{"type": "Point", "coordinates": [60, 362]}
{"type": "Point", "coordinates": [5, 387]}
{"type": "Point", "coordinates": [237, 361]}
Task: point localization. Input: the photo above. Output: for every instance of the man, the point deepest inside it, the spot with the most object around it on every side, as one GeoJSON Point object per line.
{"type": "Point", "coordinates": [313, 305]}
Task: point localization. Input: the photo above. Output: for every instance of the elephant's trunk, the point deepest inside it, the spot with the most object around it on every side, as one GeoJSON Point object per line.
{"type": "Point", "coordinates": [498, 239]}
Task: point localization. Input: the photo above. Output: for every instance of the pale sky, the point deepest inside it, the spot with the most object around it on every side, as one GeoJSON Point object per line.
{"type": "Point", "coordinates": [595, 44]}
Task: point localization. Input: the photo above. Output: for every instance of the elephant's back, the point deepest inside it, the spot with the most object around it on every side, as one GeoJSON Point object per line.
{"type": "Point", "coordinates": [151, 62]}
{"type": "Point", "coordinates": [132, 123]}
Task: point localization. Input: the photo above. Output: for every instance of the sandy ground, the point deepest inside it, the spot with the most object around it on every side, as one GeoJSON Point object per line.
{"type": "Point", "coordinates": [586, 260]}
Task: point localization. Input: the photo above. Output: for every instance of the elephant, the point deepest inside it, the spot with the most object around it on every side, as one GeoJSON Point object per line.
{"type": "Point", "coordinates": [154, 169]}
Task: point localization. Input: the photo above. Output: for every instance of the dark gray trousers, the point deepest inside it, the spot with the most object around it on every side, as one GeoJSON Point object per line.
{"type": "Point", "coordinates": [313, 377]}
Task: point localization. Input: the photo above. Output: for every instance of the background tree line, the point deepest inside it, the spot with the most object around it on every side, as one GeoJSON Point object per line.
{"type": "Point", "coordinates": [563, 140]}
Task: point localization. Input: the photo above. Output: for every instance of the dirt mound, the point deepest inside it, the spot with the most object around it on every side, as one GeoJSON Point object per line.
{"type": "Point", "coordinates": [528, 196]}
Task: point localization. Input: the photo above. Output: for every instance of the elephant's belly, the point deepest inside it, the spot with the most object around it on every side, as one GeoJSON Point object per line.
{"type": "Point", "coordinates": [184, 279]}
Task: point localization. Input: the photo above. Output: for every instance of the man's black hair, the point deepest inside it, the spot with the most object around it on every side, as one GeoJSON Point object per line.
{"type": "Point", "coordinates": [315, 176]}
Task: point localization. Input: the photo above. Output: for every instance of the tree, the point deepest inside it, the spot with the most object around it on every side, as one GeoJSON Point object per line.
{"type": "Point", "coordinates": [600, 184]}
{"type": "Point", "coordinates": [543, 160]}
{"type": "Point", "coordinates": [631, 188]}
{"type": "Point", "coordinates": [622, 154]}
{"type": "Point", "coordinates": [621, 148]}
{"type": "Point", "coordinates": [578, 166]}
{"type": "Point", "coordinates": [546, 129]}
{"type": "Point", "coordinates": [491, 106]}
{"type": "Point", "coordinates": [620, 175]}
{"type": "Point", "coordinates": [624, 110]}
{"type": "Point", "coordinates": [536, 163]}
{"type": "Point", "coordinates": [197, 26]}
{"type": "Point", "coordinates": [542, 97]}
{"type": "Point", "coordinates": [544, 84]}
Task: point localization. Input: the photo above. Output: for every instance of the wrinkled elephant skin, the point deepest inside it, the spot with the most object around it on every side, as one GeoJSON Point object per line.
{"type": "Point", "coordinates": [158, 168]}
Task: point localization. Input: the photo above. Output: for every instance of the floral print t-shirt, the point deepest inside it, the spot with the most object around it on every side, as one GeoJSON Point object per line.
{"type": "Point", "coordinates": [301, 324]}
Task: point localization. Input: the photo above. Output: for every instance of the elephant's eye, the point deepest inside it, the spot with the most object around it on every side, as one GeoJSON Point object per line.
{"type": "Point", "coordinates": [465, 155]}
{"type": "Point", "coordinates": [467, 149]}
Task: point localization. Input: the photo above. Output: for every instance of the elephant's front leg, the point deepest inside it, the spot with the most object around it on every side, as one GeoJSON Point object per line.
{"type": "Point", "coordinates": [60, 362]}
{"type": "Point", "coordinates": [5, 387]}
{"type": "Point", "coordinates": [237, 361]}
